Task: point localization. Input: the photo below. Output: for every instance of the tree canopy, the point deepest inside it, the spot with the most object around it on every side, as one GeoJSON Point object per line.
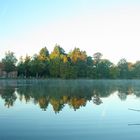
{"type": "Point", "coordinates": [9, 62]}
{"type": "Point", "coordinates": [75, 64]}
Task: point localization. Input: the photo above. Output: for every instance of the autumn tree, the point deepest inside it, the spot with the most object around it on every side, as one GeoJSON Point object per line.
{"type": "Point", "coordinates": [79, 62]}
{"type": "Point", "coordinates": [56, 57]}
{"type": "Point", "coordinates": [43, 54]}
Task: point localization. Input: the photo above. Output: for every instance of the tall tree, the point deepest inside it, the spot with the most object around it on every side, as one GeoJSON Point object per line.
{"type": "Point", "coordinates": [114, 72]}
{"type": "Point", "coordinates": [27, 66]}
{"type": "Point", "coordinates": [44, 54]}
{"type": "Point", "coordinates": [96, 61]}
{"type": "Point", "coordinates": [79, 62]}
{"type": "Point", "coordinates": [77, 54]}
{"type": "Point", "coordinates": [9, 62]}
{"type": "Point", "coordinates": [37, 67]}
{"type": "Point", "coordinates": [21, 67]}
{"type": "Point", "coordinates": [123, 68]}
{"type": "Point", "coordinates": [56, 58]}
{"type": "Point", "coordinates": [44, 58]}
{"type": "Point", "coordinates": [136, 70]}
{"type": "Point", "coordinates": [57, 52]}
{"type": "Point", "coordinates": [104, 68]}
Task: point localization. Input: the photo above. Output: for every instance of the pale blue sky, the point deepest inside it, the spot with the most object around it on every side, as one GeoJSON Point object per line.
{"type": "Point", "coordinates": [111, 27]}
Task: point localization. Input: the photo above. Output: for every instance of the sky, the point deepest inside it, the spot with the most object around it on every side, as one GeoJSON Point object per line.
{"type": "Point", "coordinates": [106, 26]}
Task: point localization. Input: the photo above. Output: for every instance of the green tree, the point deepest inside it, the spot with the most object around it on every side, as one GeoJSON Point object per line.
{"type": "Point", "coordinates": [21, 67]}
{"type": "Point", "coordinates": [90, 72]}
{"type": "Point", "coordinates": [79, 62]}
{"type": "Point", "coordinates": [54, 67]}
{"type": "Point", "coordinates": [27, 66]}
{"type": "Point", "coordinates": [44, 54]}
{"type": "Point", "coordinates": [104, 68]}
{"type": "Point", "coordinates": [9, 62]}
{"type": "Point", "coordinates": [44, 57]}
{"type": "Point", "coordinates": [57, 52]}
{"type": "Point", "coordinates": [123, 68]}
{"type": "Point", "coordinates": [65, 67]}
{"type": "Point", "coordinates": [114, 72]}
{"type": "Point", "coordinates": [96, 64]}
{"type": "Point", "coordinates": [136, 70]}
{"type": "Point", "coordinates": [37, 67]}
{"type": "Point", "coordinates": [56, 59]}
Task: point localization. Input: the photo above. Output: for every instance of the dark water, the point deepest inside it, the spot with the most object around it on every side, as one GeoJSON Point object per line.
{"type": "Point", "coordinates": [70, 109]}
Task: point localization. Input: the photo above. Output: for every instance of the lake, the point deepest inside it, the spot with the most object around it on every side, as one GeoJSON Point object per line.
{"type": "Point", "coordinates": [69, 109]}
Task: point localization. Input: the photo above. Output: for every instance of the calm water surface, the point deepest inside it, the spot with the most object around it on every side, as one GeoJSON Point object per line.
{"type": "Point", "coordinates": [70, 109]}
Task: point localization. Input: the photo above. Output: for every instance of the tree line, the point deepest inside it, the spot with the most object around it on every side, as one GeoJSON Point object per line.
{"type": "Point", "coordinates": [72, 65]}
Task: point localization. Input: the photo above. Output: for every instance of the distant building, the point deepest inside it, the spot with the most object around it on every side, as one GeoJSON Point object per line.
{"type": "Point", "coordinates": [4, 74]}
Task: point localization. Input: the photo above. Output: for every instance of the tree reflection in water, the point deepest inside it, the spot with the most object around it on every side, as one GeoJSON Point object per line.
{"type": "Point", "coordinates": [9, 96]}
{"type": "Point", "coordinates": [58, 93]}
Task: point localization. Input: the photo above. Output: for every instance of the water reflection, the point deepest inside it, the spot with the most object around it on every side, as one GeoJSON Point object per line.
{"type": "Point", "coordinates": [58, 93]}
